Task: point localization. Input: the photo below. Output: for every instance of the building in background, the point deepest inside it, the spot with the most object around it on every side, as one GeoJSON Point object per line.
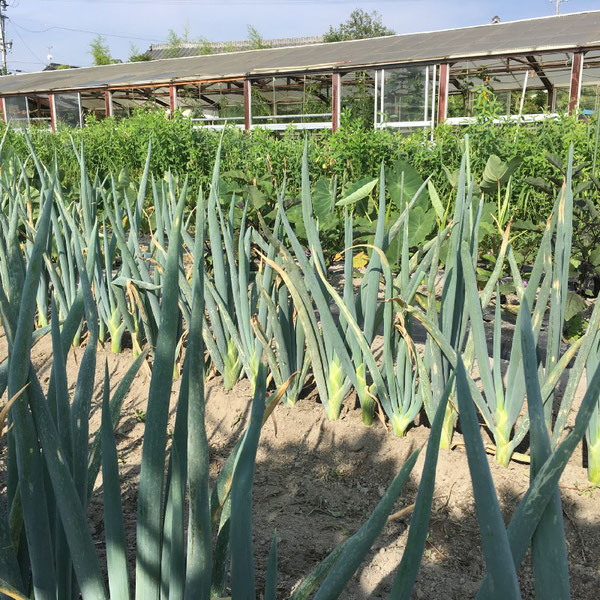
{"type": "Point", "coordinates": [530, 70]}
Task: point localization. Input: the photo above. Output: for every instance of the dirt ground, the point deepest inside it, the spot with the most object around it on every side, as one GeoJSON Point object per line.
{"type": "Point", "coordinates": [317, 481]}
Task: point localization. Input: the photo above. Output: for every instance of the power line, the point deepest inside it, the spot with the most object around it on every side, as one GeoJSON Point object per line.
{"type": "Point", "coordinates": [37, 58]}
{"type": "Point", "coordinates": [28, 62]}
{"type": "Point", "coordinates": [52, 27]}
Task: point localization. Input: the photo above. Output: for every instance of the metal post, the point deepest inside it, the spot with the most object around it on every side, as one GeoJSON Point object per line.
{"type": "Point", "coordinates": [576, 73]}
{"type": "Point", "coordinates": [335, 102]}
{"type": "Point", "coordinates": [433, 96]}
{"type": "Point", "coordinates": [443, 93]}
{"type": "Point", "coordinates": [52, 113]}
{"type": "Point", "coordinates": [247, 105]}
{"type": "Point", "coordinates": [3, 7]}
{"type": "Point", "coordinates": [108, 106]}
{"type": "Point", "coordinates": [426, 108]}
{"type": "Point", "coordinates": [375, 98]}
{"type": "Point", "coordinates": [172, 99]}
{"type": "Point", "coordinates": [381, 94]}
{"type": "Point", "coordinates": [80, 108]}
{"type": "Point", "coordinates": [523, 92]}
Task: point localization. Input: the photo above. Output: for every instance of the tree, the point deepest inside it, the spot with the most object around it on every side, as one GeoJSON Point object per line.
{"type": "Point", "coordinates": [100, 52]}
{"type": "Point", "coordinates": [136, 56]}
{"type": "Point", "coordinates": [176, 43]}
{"type": "Point", "coordinates": [360, 25]}
{"type": "Point", "coordinates": [205, 47]}
{"type": "Point", "coordinates": [257, 42]}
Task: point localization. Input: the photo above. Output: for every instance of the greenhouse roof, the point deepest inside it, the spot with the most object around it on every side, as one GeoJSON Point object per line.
{"type": "Point", "coordinates": [546, 34]}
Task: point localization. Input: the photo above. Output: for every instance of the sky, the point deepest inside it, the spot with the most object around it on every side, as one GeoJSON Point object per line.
{"type": "Point", "coordinates": [64, 29]}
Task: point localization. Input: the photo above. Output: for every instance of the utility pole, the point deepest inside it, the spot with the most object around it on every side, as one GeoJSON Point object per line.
{"type": "Point", "coordinates": [3, 7]}
{"type": "Point", "coordinates": [558, 5]}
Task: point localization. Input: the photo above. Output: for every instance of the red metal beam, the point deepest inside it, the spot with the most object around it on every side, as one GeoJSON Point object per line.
{"type": "Point", "coordinates": [172, 99]}
{"type": "Point", "coordinates": [108, 104]}
{"type": "Point", "coordinates": [335, 102]}
{"type": "Point", "coordinates": [247, 105]}
{"type": "Point", "coordinates": [3, 108]}
{"type": "Point", "coordinates": [576, 73]}
{"type": "Point", "coordinates": [443, 93]}
{"type": "Point", "coordinates": [52, 112]}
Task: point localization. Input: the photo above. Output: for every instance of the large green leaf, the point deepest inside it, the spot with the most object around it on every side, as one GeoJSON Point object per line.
{"type": "Point", "coordinates": [497, 172]}
{"type": "Point", "coordinates": [420, 225]}
{"type": "Point", "coordinates": [357, 191]}
{"type": "Point", "coordinates": [440, 211]}
{"type": "Point", "coordinates": [323, 200]}
{"type": "Point", "coordinates": [575, 305]}
{"type": "Point", "coordinates": [403, 182]}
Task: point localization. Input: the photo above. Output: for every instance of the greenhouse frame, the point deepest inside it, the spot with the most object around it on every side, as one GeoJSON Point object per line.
{"type": "Point", "coordinates": [534, 69]}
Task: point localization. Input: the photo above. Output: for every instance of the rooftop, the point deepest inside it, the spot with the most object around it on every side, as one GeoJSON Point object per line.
{"type": "Point", "coordinates": [557, 33]}
{"type": "Point", "coordinates": [159, 51]}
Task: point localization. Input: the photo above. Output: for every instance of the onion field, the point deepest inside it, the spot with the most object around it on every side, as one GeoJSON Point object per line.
{"type": "Point", "coordinates": [199, 290]}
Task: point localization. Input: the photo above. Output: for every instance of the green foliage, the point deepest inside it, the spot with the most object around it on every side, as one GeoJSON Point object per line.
{"type": "Point", "coordinates": [258, 297]}
{"type": "Point", "coordinates": [360, 25]}
{"type": "Point", "coordinates": [205, 47]}
{"type": "Point", "coordinates": [136, 56]}
{"type": "Point", "coordinates": [176, 43]}
{"type": "Point", "coordinates": [100, 52]}
{"type": "Point", "coordinates": [586, 207]}
{"type": "Point", "coordinates": [264, 159]}
{"type": "Point", "coordinates": [256, 41]}
{"type": "Point", "coordinates": [49, 446]}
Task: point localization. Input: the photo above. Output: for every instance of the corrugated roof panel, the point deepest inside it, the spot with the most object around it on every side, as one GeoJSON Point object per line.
{"type": "Point", "coordinates": [580, 30]}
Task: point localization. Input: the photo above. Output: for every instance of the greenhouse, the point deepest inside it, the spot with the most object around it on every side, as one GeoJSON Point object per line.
{"type": "Point", "coordinates": [534, 69]}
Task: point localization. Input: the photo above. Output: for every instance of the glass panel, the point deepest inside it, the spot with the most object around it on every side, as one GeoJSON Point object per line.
{"type": "Point", "coordinates": [189, 101]}
{"type": "Point", "coordinates": [494, 87]}
{"type": "Point", "coordinates": [213, 103]}
{"type": "Point", "coordinates": [404, 94]}
{"type": "Point", "coordinates": [67, 109]}
{"type": "Point", "coordinates": [123, 103]}
{"type": "Point", "coordinates": [126, 102]}
{"type": "Point", "coordinates": [534, 103]}
{"type": "Point", "coordinates": [562, 99]}
{"type": "Point", "coordinates": [459, 104]}
{"type": "Point", "coordinates": [589, 101]}
{"type": "Point", "coordinates": [358, 92]}
{"type": "Point", "coordinates": [93, 104]}
{"type": "Point", "coordinates": [16, 109]}
{"type": "Point", "coordinates": [294, 99]}
{"type": "Point", "coordinates": [39, 110]}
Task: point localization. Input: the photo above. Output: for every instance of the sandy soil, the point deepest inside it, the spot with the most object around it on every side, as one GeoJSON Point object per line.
{"type": "Point", "coordinates": [317, 481]}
